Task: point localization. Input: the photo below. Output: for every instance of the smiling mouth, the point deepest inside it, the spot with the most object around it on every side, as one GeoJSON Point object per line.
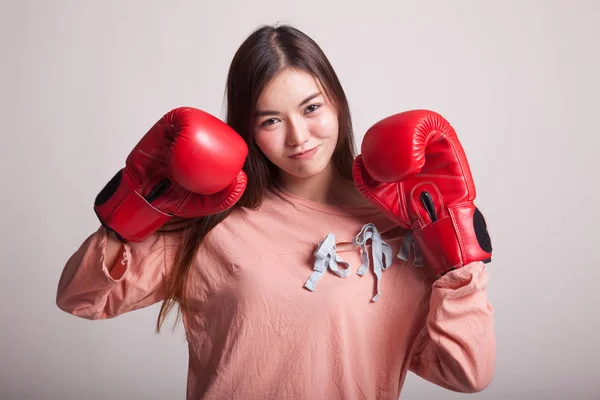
{"type": "Point", "coordinates": [304, 152]}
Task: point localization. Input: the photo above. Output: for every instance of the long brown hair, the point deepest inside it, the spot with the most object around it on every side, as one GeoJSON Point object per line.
{"type": "Point", "coordinates": [267, 51]}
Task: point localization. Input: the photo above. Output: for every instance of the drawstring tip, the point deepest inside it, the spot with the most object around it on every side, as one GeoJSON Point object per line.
{"type": "Point", "coordinates": [409, 244]}
{"type": "Point", "coordinates": [310, 286]}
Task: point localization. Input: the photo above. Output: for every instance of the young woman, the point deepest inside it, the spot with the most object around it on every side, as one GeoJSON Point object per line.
{"type": "Point", "coordinates": [284, 278]}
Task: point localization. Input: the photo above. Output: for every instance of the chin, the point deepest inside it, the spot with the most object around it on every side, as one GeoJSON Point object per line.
{"type": "Point", "coordinates": [308, 170]}
{"type": "Point", "coordinates": [305, 174]}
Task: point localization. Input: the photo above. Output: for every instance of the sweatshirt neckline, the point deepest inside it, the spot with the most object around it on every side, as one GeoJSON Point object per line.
{"type": "Point", "coordinates": [366, 209]}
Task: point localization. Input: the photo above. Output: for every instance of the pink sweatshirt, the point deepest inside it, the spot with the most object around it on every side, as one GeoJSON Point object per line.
{"type": "Point", "coordinates": [286, 304]}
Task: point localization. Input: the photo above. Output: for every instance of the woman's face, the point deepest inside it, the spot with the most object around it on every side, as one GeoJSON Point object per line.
{"type": "Point", "coordinates": [296, 126]}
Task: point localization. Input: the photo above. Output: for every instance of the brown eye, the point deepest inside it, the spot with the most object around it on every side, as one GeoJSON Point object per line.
{"type": "Point", "coordinates": [312, 108]}
{"type": "Point", "coordinates": [268, 122]}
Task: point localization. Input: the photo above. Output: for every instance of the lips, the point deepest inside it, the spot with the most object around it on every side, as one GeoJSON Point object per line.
{"type": "Point", "coordinates": [304, 152]}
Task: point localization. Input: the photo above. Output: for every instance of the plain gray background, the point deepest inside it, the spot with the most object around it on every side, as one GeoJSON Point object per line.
{"type": "Point", "coordinates": [82, 81]}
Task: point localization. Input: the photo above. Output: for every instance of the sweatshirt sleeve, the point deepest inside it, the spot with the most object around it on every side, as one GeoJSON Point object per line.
{"type": "Point", "coordinates": [456, 349]}
{"type": "Point", "coordinates": [87, 289]}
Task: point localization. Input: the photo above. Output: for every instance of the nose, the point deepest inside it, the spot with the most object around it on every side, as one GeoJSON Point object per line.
{"type": "Point", "coordinates": [297, 133]}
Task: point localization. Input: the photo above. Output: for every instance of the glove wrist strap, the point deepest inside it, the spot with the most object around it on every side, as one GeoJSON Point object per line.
{"type": "Point", "coordinates": [455, 240]}
{"type": "Point", "coordinates": [122, 209]}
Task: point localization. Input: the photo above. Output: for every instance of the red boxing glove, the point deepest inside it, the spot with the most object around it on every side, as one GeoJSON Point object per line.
{"type": "Point", "coordinates": [189, 165]}
{"type": "Point", "coordinates": [414, 169]}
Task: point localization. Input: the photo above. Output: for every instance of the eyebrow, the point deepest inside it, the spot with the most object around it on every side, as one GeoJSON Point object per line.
{"type": "Point", "coordinates": [262, 113]}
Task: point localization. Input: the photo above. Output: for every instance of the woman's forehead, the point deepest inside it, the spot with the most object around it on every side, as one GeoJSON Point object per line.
{"type": "Point", "coordinates": [289, 87]}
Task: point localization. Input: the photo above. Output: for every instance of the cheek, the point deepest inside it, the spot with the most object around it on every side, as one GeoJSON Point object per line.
{"type": "Point", "coordinates": [268, 143]}
{"type": "Point", "coordinates": [326, 126]}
